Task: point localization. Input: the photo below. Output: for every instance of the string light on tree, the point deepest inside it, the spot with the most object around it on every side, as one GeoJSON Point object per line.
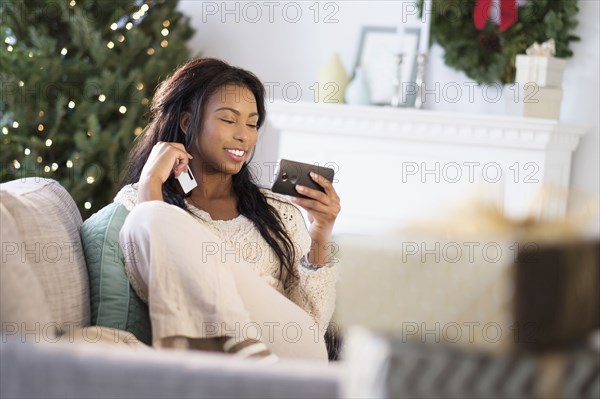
{"type": "Point", "coordinates": [87, 205]}
{"type": "Point", "coordinates": [71, 104]}
{"type": "Point", "coordinates": [137, 131]}
{"type": "Point", "coordinates": [40, 128]}
{"type": "Point", "coordinates": [121, 38]}
{"type": "Point", "coordinates": [90, 179]}
{"type": "Point", "coordinates": [27, 151]}
{"type": "Point", "coordinates": [63, 51]}
{"type": "Point", "coordinates": [48, 142]}
{"type": "Point", "coordinates": [10, 48]}
{"type": "Point", "coordinates": [54, 166]}
{"type": "Point", "coordinates": [114, 26]}
{"type": "Point", "coordinates": [150, 51]}
{"type": "Point", "coordinates": [69, 164]}
{"type": "Point", "coordinates": [41, 113]}
{"type": "Point", "coordinates": [128, 26]}
{"type": "Point", "coordinates": [101, 98]}
{"type": "Point", "coordinates": [164, 32]}
{"type": "Point", "coordinates": [16, 164]}
{"type": "Point", "coordinates": [72, 3]}
{"type": "Point", "coordinates": [47, 169]}
{"type": "Point", "coordinates": [166, 23]}
{"type": "Point", "coordinates": [110, 44]}
{"type": "Point", "coordinates": [164, 44]}
{"type": "Point", "coordinates": [21, 83]}
{"type": "Point", "coordinates": [122, 109]}
{"type": "Point", "coordinates": [4, 130]}
{"type": "Point", "coordinates": [15, 124]}
{"type": "Point", "coordinates": [39, 159]}
{"type": "Point", "coordinates": [140, 86]}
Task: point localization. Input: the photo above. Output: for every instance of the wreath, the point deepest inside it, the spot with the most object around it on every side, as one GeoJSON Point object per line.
{"type": "Point", "coordinates": [486, 50]}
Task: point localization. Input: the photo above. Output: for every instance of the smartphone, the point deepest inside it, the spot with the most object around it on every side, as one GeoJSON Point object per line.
{"type": "Point", "coordinates": [291, 173]}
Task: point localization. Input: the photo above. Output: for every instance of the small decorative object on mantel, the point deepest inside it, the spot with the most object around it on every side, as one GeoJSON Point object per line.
{"type": "Point", "coordinates": [357, 92]}
{"type": "Point", "coordinates": [485, 48]}
{"type": "Point", "coordinates": [423, 57]}
{"type": "Point", "coordinates": [540, 66]}
{"type": "Point", "coordinates": [331, 81]}
{"type": "Point", "coordinates": [538, 82]}
{"type": "Point", "coordinates": [397, 97]}
{"type": "Point", "coordinates": [391, 80]}
{"type": "Point", "coordinates": [421, 66]}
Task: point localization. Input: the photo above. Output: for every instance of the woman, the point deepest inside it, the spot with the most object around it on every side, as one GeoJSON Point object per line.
{"type": "Point", "coordinates": [228, 266]}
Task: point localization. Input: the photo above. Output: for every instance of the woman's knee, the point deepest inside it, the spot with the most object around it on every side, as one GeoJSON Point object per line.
{"type": "Point", "coordinates": [149, 216]}
{"type": "Point", "coordinates": [157, 218]}
{"type": "Point", "coordinates": [144, 228]}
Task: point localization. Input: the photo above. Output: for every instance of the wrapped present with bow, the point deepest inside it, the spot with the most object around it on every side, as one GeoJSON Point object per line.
{"type": "Point", "coordinates": [540, 66]}
{"type": "Point", "coordinates": [538, 91]}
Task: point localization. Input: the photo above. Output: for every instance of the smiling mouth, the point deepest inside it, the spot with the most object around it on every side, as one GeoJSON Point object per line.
{"type": "Point", "coordinates": [238, 153]}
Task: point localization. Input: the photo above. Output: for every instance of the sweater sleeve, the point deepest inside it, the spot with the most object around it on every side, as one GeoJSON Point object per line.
{"type": "Point", "coordinates": [314, 291]}
{"type": "Point", "coordinates": [127, 196]}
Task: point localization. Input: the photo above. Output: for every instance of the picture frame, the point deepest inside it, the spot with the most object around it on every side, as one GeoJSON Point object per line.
{"type": "Point", "coordinates": [376, 57]}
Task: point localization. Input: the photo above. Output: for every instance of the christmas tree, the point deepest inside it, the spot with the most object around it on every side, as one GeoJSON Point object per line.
{"type": "Point", "coordinates": [77, 78]}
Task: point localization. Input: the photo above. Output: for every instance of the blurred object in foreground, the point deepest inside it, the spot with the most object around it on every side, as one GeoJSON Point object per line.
{"type": "Point", "coordinates": [557, 294]}
{"type": "Point", "coordinates": [476, 280]}
{"type": "Point", "coordinates": [388, 367]}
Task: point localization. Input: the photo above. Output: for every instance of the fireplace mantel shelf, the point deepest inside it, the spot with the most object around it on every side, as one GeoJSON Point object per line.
{"type": "Point", "coordinates": [395, 165]}
{"type": "Point", "coordinates": [425, 125]}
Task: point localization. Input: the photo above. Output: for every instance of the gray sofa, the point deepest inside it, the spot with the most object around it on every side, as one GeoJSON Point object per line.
{"type": "Point", "coordinates": [49, 349]}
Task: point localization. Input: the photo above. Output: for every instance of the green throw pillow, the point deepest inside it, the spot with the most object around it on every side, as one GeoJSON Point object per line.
{"type": "Point", "coordinates": [114, 302]}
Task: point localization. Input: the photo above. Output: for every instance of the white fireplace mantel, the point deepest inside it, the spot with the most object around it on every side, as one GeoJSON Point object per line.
{"type": "Point", "coordinates": [396, 165]}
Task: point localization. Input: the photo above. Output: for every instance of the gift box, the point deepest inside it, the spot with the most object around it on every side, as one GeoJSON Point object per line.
{"type": "Point", "coordinates": [544, 71]}
{"type": "Point", "coordinates": [531, 100]}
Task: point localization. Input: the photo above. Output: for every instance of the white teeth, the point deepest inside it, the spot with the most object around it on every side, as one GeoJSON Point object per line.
{"type": "Point", "coordinates": [238, 153]}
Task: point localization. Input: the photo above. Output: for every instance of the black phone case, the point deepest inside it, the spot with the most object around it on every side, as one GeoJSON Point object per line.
{"type": "Point", "coordinates": [292, 173]}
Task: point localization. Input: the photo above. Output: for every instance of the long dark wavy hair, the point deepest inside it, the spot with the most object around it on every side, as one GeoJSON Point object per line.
{"type": "Point", "coordinates": [188, 89]}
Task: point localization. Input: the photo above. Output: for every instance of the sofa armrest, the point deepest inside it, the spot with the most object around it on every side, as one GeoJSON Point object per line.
{"type": "Point", "coordinates": [89, 370]}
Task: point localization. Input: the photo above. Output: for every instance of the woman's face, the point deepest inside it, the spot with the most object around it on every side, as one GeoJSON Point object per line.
{"type": "Point", "coordinates": [229, 130]}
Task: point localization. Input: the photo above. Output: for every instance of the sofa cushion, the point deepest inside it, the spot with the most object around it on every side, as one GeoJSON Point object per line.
{"type": "Point", "coordinates": [20, 314]}
{"type": "Point", "coordinates": [113, 302]}
{"type": "Point", "coordinates": [45, 233]}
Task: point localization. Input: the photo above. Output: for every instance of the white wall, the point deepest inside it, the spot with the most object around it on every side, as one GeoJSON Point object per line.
{"type": "Point", "coordinates": [282, 46]}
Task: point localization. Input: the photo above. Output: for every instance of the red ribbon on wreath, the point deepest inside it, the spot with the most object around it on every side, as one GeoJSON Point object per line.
{"type": "Point", "coordinates": [508, 13]}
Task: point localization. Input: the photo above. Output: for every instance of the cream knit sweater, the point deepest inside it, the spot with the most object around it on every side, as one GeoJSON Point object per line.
{"type": "Point", "coordinates": [315, 289]}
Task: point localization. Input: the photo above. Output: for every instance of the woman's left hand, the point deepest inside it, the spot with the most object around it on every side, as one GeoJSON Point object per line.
{"type": "Point", "coordinates": [322, 207]}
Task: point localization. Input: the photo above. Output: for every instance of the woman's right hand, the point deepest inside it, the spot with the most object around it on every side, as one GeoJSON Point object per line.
{"type": "Point", "coordinates": [165, 158]}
